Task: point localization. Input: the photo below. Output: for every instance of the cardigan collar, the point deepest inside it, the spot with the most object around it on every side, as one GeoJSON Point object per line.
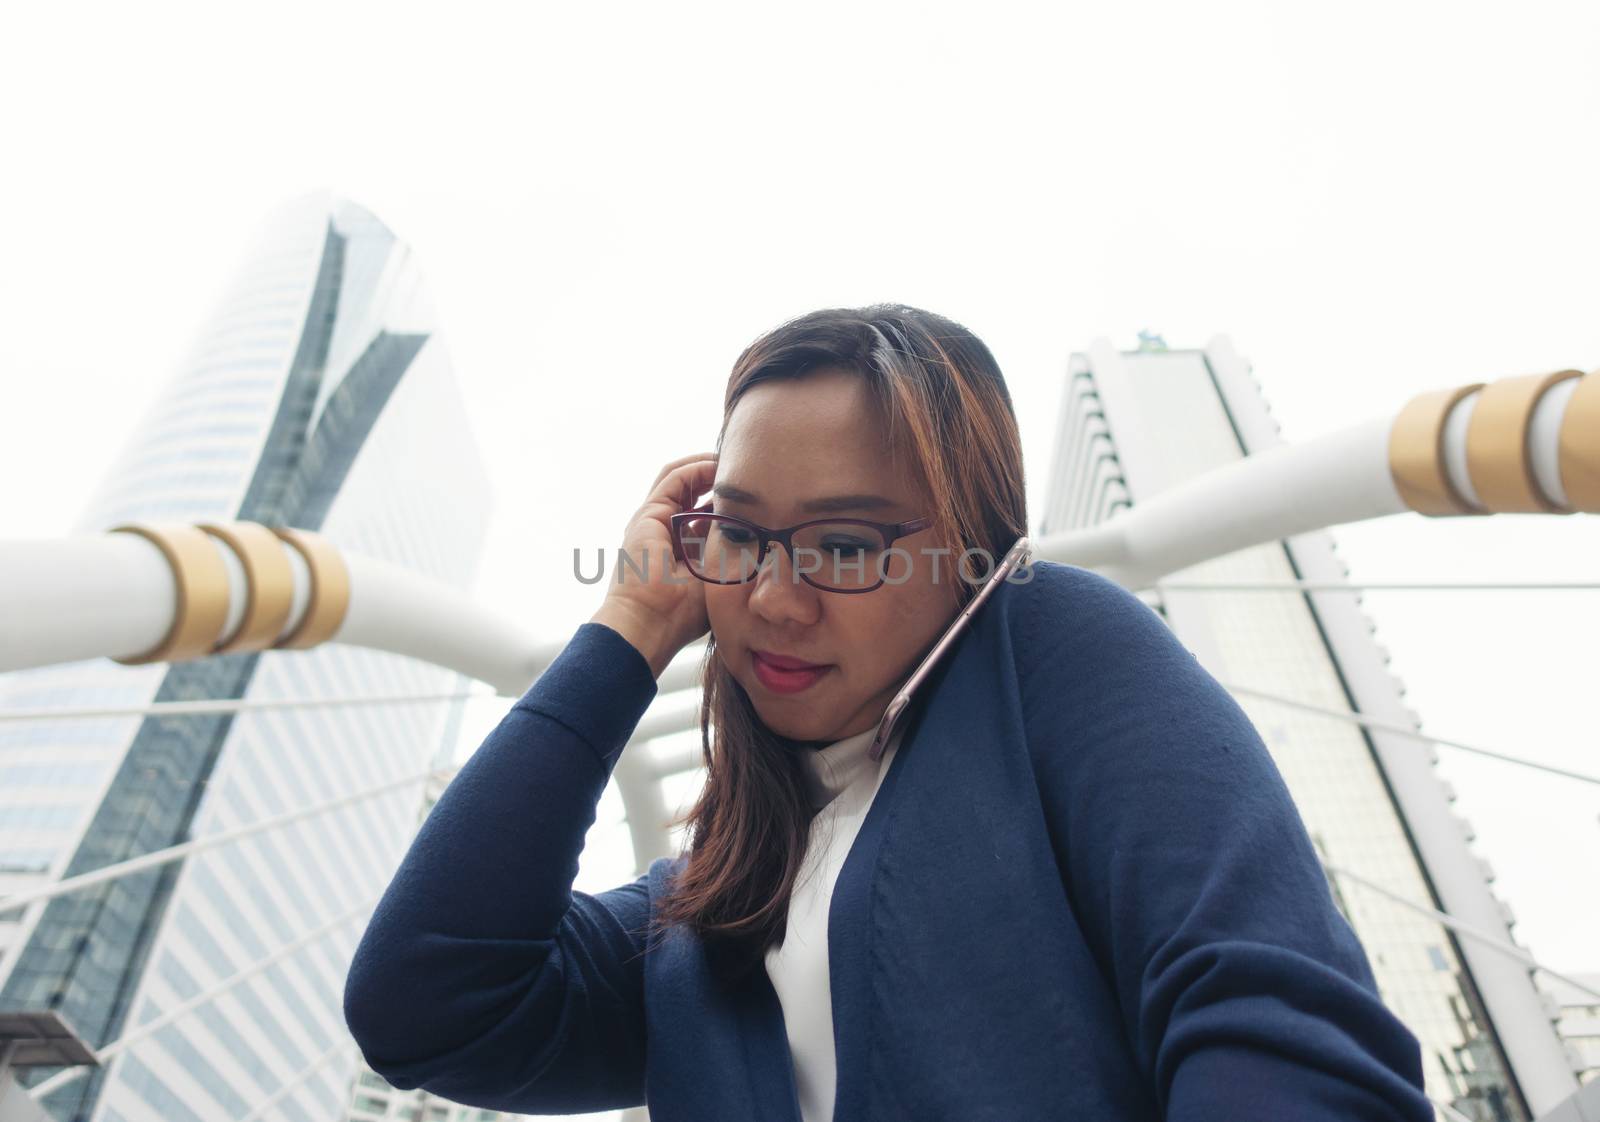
{"type": "Point", "coordinates": [755, 1026]}
{"type": "Point", "coordinates": [840, 765]}
{"type": "Point", "coordinates": [849, 966]}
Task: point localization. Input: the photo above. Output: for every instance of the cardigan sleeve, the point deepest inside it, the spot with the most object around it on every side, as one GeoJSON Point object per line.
{"type": "Point", "coordinates": [482, 976]}
{"type": "Point", "coordinates": [1244, 991]}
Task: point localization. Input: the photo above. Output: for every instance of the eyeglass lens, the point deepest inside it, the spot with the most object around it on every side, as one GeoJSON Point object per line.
{"type": "Point", "coordinates": [842, 556]}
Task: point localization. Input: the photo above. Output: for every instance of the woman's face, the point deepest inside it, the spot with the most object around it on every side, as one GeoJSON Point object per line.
{"type": "Point", "coordinates": [789, 445]}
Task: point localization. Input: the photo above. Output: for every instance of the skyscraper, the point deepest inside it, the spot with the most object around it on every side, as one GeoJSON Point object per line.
{"type": "Point", "coordinates": [319, 397]}
{"type": "Point", "coordinates": [1132, 425]}
{"type": "Point", "coordinates": [1580, 1019]}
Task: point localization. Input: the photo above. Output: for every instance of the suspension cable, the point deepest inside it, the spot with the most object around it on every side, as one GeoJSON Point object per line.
{"type": "Point", "coordinates": [1363, 586]}
{"type": "Point", "coordinates": [196, 845]}
{"type": "Point", "coordinates": [129, 1039]}
{"type": "Point", "coordinates": [238, 705]}
{"type": "Point", "coordinates": [305, 1073]}
{"type": "Point", "coordinates": [1401, 730]}
{"type": "Point", "coordinates": [1455, 924]}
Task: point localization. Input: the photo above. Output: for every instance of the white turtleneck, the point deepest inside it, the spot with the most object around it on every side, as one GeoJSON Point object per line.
{"type": "Point", "coordinates": [843, 784]}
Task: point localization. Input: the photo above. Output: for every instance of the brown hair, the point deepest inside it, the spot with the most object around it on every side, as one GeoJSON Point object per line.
{"type": "Point", "coordinates": [946, 406]}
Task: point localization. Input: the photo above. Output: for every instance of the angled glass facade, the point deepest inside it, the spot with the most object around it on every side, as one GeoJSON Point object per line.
{"type": "Point", "coordinates": [320, 397]}
{"type": "Point", "coordinates": [1133, 424]}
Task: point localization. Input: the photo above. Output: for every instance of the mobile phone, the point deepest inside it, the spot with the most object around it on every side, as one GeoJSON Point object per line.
{"type": "Point", "coordinates": [902, 699]}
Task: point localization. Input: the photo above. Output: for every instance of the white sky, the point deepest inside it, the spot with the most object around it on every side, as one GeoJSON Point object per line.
{"type": "Point", "coordinates": [610, 202]}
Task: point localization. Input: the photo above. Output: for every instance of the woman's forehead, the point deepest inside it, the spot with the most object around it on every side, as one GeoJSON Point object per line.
{"type": "Point", "coordinates": [797, 442]}
{"type": "Point", "coordinates": [831, 400]}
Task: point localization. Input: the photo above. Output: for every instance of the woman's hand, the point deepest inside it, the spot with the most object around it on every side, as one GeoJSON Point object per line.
{"type": "Point", "coordinates": [666, 612]}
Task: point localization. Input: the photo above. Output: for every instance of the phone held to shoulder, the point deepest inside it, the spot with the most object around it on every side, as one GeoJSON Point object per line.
{"type": "Point", "coordinates": [902, 699]}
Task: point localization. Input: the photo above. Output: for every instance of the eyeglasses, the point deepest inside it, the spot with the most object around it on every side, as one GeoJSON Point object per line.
{"type": "Point", "coordinates": [844, 554]}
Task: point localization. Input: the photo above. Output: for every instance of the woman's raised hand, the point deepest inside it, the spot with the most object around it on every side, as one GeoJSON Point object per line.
{"type": "Point", "coordinates": [654, 602]}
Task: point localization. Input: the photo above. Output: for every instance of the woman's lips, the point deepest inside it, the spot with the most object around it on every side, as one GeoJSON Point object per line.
{"type": "Point", "coordinates": [780, 679]}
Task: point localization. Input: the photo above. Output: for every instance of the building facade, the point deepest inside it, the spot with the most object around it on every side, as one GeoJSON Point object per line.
{"type": "Point", "coordinates": [1580, 1018]}
{"type": "Point", "coordinates": [319, 396]}
{"type": "Point", "coordinates": [1133, 424]}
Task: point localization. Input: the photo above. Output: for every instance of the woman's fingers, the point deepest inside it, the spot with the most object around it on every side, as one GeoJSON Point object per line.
{"type": "Point", "coordinates": [675, 464]}
{"type": "Point", "coordinates": [677, 488]}
{"type": "Point", "coordinates": [673, 609]}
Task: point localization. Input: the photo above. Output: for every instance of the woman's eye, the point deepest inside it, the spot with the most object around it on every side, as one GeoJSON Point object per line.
{"type": "Point", "coordinates": [737, 536]}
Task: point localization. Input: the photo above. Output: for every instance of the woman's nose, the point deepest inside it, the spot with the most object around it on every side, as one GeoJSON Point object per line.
{"type": "Point", "coordinates": [779, 593]}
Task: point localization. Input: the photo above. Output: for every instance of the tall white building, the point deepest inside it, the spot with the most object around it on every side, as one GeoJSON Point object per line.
{"type": "Point", "coordinates": [319, 397]}
{"type": "Point", "coordinates": [1580, 1019]}
{"type": "Point", "coordinates": [1134, 424]}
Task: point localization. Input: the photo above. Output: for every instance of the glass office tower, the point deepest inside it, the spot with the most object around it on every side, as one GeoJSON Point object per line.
{"type": "Point", "coordinates": [320, 396]}
{"type": "Point", "coordinates": [1132, 425]}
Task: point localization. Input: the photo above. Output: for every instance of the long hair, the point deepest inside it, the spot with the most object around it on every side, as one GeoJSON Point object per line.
{"type": "Point", "coordinates": [948, 413]}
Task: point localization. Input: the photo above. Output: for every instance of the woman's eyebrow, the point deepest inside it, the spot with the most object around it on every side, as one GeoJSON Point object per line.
{"type": "Point", "coordinates": [830, 505]}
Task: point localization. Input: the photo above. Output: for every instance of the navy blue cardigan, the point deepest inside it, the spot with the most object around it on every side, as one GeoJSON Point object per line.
{"type": "Point", "coordinates": [1082, 891]}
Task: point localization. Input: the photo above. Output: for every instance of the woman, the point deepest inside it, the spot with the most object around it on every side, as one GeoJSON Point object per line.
{"type": "Point", "coordinates": [1074, 886]}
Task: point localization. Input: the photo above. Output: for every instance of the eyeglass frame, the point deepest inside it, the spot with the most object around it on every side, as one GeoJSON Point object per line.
{"type": "Point", "coordinates": [891, 531]}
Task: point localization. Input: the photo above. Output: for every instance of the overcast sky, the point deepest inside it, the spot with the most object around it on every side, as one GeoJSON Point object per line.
{"type": "Point", "coordinates": [609, 202]}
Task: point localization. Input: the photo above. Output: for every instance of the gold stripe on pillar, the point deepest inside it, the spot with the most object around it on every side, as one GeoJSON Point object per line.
{"type": "Point", "coordinates": [330, 589]}
{"type": "Point", "coordinates": [1499, 459]}
{"type": "Point", "coordinates": [1416, 454]}
{"type": "Point", "coordinates": [1579, 446]}
{"type": "Point", "coordinates": [202, 591]}
{"type": "Point", "coordinates": [269, 584]}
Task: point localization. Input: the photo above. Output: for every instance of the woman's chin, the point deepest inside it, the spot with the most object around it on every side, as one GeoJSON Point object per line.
{"type": "Point", "coordinates": [789, 720]}
{"type": "Point", "coordinates": [787, 726]}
